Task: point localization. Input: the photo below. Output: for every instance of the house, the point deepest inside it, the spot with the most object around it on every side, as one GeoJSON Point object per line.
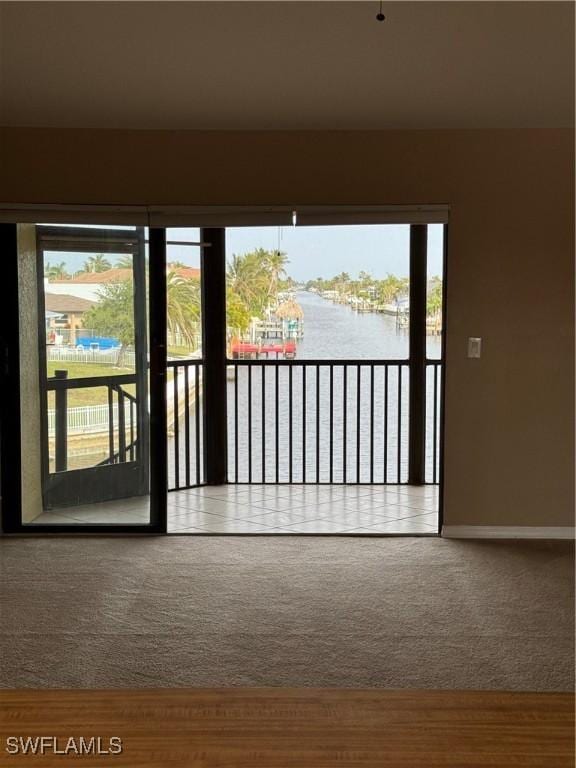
{"type": "Point", "coordinates": [64, 314]}
{"type": "Point", "coordinates": [186, 273]}
{"type": "Point", "coordinates": [361, 556]}
{"type": "Point", "coordinates": [89, 285]}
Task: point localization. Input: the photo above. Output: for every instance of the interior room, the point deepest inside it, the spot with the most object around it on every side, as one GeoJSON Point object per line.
{"type": "Point", "coordinates": [287, 328]}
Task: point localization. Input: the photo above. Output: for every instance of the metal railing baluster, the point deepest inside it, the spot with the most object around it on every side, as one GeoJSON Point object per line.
{"type": "Point", "coordinates": [331, 413]}
{"type": "Point", "coordinates": [372, 423]}
{"type": "Point", "coordinates": [111, 423]}
{"type": "Point", "coordinates": [61, 424]}
{"type": "Point", "coordinates": [186, 425]}
{"type": "Point", "coordinates": [176, 426]}
{"type": "Point", "coordinates": [435, 429]}
{"type": "Point", "coordinates": [263, 427]}
{"type": "Point", "coordinates": [121, 426]}
{"type": "Point", "coordinates": [386, 423]}
{"type": "Point", "coordinates": [198, 423]}
{"type": "Point", "coordinates": [132, 408]}
{"type": "Point", "coordinates": [358, 418]}
{"type": "Point", "coordinates": [236, 374]}
{"type": "Point", "coordinates": [290, 424]}
{"type": "Point", "coordinates": [317, 423]}
{"type": "Point", "coordinates": [399, 426]}
{"type": "Point", "coordinates": [277, 423]}
{"type": "Point", "coordinates": [344, 420]}
{"type": "Point", "coordinates": [303, 423]}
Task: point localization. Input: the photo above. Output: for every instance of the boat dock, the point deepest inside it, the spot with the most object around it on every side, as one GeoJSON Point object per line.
{"type": "Point", "coordinates": [245, 350]}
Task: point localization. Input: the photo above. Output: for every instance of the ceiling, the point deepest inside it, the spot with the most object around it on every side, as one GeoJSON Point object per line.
{"type": "Point", "coordinates": [287, 65]}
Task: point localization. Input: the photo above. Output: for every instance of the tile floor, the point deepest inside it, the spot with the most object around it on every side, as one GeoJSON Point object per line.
{"type": "Point", "coordinates": [281, 509]}
{"type": "Point", "coordinates": [278, 509]}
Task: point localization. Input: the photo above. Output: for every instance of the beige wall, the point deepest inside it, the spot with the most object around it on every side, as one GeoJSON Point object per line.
{"type": "Point", "coordinates": [509, 416]}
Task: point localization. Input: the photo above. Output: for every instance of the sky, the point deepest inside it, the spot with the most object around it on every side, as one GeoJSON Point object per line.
{"type": "Point", "coordinates": [325, 251]}
{"type": "Point", "coordinates": [312, 251]}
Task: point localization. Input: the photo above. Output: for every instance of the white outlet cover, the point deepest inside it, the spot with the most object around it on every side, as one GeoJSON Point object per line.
{"type": "Point", "coordinates": [474, 347]}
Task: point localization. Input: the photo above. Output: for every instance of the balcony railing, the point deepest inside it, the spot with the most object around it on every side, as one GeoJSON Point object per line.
{"type": "Point", "coordinates": [289, 421]}
{"type": "Point", "coordinates": [320, 421]}
{"type": "Point", "coordinates": [186, 424]}
{"type": "Point", "coordinates": [116, 420]}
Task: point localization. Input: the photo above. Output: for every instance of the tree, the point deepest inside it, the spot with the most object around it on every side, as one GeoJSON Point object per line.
{"type": "Point", "coordinates": [434, 297]}
{"type": "Point", "coordinates": [56, 271]}
{"type": "Point", "coordinates": [365, 278]}
{"type": "Point", "coordinates": [250, 279]}
{"type": "Point", "coordinates": [275, 263]}
{"type": "Point", "coordinates": [392, 288]}
{"type": "Point", "coordinates": [97, 263]}
{"type": "Point", "coordinates": [183, 307]}
{"type": "Point", "coordinates": [124, 262]}
{"type": "Point", "coordinates": [237, 313]}
{"type": "Point", "coordinates": [342, 281]}
{"type": "Point", "coordinates": [287, 284]}
{"type": "Point", "coordinates": [113, 315]}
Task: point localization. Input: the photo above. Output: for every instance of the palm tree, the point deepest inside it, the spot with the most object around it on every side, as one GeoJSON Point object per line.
{"type": "Point", "coordinates": [56, 271]}
{"type": "Point", "coordinates": [275, 262]}
{"type": "Point", "coordinates": [365, 279]}
{"type": "Point", "coordinates": [434, 298]}
{"type": "Point", "coordinates": [392, 288]}
{"type": "Point", "coordinates": [183, 307]}
{"type": "Point", "coordinates": [97, 263]}
{"type": "Point", "coordinates": [250, 281]}
{"type": "Point", "coordinates": [124, 262]}
{"type": "Point", "coordinates": [342, 280]}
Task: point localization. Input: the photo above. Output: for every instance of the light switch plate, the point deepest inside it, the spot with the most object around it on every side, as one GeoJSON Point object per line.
{"type": "Point", "coordinates": [474, 347]}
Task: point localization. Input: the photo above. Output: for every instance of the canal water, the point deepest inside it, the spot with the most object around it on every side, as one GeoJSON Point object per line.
{"type": "Point", "coordinates": [335, 331]}
{"type": "Point", "coordinates": [329, 423]}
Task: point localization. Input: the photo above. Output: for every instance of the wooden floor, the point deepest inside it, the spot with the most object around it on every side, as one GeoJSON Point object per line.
{"type": "Point", "coordinates": [308, 728]}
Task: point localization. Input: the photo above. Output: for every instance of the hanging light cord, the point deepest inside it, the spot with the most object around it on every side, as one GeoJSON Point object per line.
{"type": "Point", "coordinates": [380, 16]}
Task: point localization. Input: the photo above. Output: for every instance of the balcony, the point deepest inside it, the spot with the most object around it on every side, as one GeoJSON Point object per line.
{"type": "Point", "coordinates": [314, 447]}
{"type": "Point", "coordinates": [265, 430]}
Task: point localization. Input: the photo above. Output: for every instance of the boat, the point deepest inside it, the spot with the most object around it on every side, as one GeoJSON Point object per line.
{"type": "Point", "coordinates": [247, 350]}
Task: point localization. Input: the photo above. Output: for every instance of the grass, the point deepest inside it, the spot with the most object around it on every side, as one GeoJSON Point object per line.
{"type": "Point", "coordinates": [88, 395]}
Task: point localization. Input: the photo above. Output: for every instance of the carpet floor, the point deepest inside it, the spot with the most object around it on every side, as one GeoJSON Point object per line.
{"type": "Point", "coordinates": [270, 611]}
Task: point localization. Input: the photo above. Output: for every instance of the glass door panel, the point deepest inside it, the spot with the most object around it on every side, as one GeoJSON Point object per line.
{"type": "Point", "coordinates": [184, 368]}
{"type": "Point", "coordinates": [84, 376]}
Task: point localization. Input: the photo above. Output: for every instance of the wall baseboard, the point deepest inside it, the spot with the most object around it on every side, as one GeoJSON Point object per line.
{"type": "Point", "coordinates": [507, 532]}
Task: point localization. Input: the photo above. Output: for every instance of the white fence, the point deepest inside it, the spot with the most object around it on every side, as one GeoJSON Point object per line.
{"type": "Point", "coordinates": [90, 418]}
{"type": "Point", "coordinates": [87, 419]}
{"type": "Point", "coordinates": [98, 356]}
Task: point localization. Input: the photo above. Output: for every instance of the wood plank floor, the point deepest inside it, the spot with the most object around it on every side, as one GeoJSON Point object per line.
{"type": "Point", "coordinates": [307, 728]}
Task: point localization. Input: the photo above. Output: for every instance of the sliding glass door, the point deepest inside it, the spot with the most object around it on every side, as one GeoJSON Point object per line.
{"type": "Point", "coordinates": [82, 382]}
{"type": "Point", "coordinates": [137, 361]}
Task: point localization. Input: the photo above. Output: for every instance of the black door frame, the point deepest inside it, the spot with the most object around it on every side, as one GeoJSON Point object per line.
{"type": "Point", "coordinates": [441, 475]}
{"type": "Point", "coordinates": [215, 394]}
{"type": "Point", "coordinates": [110, 481]}
{"type": "Point", "coordinates": [10, 442]}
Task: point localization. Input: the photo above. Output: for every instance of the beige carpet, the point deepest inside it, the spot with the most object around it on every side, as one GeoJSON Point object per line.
{"type": "Point", "coordinates": [223, 611]}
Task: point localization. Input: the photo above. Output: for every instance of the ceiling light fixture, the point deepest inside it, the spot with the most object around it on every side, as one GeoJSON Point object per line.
{"type": "Point", "coordinates": [380, 16]}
